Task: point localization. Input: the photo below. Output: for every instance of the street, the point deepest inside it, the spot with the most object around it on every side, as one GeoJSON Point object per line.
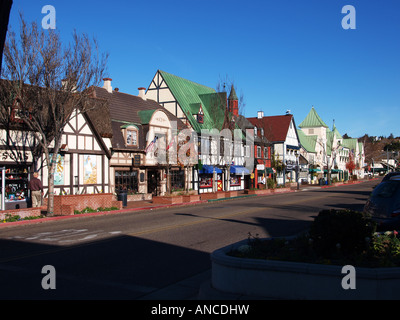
{"type": "Point", "coordinates": [131, 255]}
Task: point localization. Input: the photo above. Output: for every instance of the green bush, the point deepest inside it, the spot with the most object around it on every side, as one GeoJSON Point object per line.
{"type": "Point", "coordinates": [341, 229]}
{"type": "Point", "coordinates": [270, 183]}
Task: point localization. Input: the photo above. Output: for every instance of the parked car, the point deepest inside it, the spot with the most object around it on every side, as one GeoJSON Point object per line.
{"type": "Point", "coordinates": [384, 204]}
{"type": "Point", "coordinates": [390, 174]}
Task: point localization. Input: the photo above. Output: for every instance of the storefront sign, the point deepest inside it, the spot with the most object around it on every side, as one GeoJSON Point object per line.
{"type": "Point", "coordinates": [260, 167]}
{"type": "Point", "coordinates": [136, 160]}
{"type": "Point", "coordinates": [14, 156]}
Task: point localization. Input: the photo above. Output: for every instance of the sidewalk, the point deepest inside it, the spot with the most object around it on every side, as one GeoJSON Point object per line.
{"type": "Point", "coordinates": [133, 206]}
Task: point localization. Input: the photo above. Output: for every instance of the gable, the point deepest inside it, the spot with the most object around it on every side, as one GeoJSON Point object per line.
{"type": "Point", "coordinates": [312, 120]}
{"type": "Point", "coordinates": [79, 135]}
{"type": "Point", "coordinates": [183, 98]}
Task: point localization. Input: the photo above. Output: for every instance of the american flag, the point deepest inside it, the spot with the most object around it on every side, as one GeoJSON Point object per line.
{"type": "Point", "coordinates": [150, 146]}
{"type": "Point", "coordinates": [170, 144]}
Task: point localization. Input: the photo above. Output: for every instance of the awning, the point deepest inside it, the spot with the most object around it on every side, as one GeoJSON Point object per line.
{"type": "Point", "coordinates": [209, 169]}
{"type": "Point", "coordinates": [315, 170]}
{"type": "Point", "coordinates": [239, 170]}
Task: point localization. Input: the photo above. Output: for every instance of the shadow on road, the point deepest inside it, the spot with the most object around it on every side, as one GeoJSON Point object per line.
{"type": "Point", "coordinates": [122, 267]}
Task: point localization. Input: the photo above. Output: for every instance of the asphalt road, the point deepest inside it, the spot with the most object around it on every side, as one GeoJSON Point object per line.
{"type": "Point", "coordinates": [131, 255]}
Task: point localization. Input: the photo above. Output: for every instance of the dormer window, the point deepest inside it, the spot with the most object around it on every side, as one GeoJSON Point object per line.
{"type": "Point", "coordinates": [200, 115]}
{"type": "Point", "coordinates": [131, 134]}
{"type": "Point", "coordinates": [131, 137]}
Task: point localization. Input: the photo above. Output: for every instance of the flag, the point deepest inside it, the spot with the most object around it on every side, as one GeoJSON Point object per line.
{"type": "Point", "coordinates": [150, 146]}
{"type": "Point", "coordinates": [170, 144]}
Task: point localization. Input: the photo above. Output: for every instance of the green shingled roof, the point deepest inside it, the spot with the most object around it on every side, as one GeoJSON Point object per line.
{"type": "Point", "coordinates": [307, 142]}
{"type": "Point", "coordinates": [313, 120]}
{"type": "Point", "coordinates": [145, 115]}
{"type": "Point", "coordinates": [191, 95]}
{"type": "Point", "coordinates": [351, 144]}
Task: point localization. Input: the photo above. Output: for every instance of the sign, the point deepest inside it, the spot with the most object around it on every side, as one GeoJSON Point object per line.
{"type": "Point", "coordinates": [14, 156]}
{"type": "Point", "coordinates": [260, 167]}
{"type": "Point", "coordinates": [136, 160]}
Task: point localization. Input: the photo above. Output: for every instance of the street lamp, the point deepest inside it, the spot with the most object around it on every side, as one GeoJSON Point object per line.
{"type": "Point", "coordinates": [297, 169]}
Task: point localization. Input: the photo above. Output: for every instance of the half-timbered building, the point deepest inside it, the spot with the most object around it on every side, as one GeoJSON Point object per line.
{"type": "Point", "coordinates": [203, 109]}
{"type": "Point", "coordinates": [142, 131]}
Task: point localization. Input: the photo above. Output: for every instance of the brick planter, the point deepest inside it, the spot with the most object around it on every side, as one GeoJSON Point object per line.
{"type": "Point", "coordinates": [213, 195]}
{"type": "Point", "coordinates": [167, 199]}
{"type": "Point", "coordinates": [262, 191]}
{"type": "Point", "coordinates": [232, 193]}
{"type": "Point", "coordinates": [191, 198]}
{"type": "Point", "coordinates": [23, 213]}
{"type": "Point", "coordinates": [66, 204]}
{"type": "Point", "coordinates": [139, 197]}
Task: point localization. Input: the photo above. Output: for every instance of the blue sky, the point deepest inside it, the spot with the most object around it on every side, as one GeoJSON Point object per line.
{"type": "Point", "coordinates": [281, 55]}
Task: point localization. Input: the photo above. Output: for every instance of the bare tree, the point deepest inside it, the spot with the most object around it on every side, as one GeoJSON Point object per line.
{"type": "Point", "coordinates": [45, 84]}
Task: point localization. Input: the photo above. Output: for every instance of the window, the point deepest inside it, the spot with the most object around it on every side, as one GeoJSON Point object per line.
{"type": "Point", "coordinates": [131, 137]}
{"type": "Point", "coordinates": [126, 180]}
{"type": "Point", "coordinates": [266, 153]}
{"type": "Point", "coordinates": [177, 180]}
{"type": "Point", "coordinates": [310, 131]}
{"type": "Point", "coordinates": [258, 152]}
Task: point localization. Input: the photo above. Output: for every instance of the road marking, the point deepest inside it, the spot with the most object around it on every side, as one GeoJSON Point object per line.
{"type": "Point", "coordinates": [62, 236]}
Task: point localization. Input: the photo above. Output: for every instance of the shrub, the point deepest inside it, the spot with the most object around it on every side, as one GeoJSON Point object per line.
{"type": "Point", "coordinates": [341, 229]}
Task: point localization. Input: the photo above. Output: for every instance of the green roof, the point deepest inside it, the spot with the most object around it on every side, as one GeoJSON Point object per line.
{"type": "Point", "coordinates": [329, 140]}
{"type": "Point", "coordinates": [351, 144]}
{"type": "Point", "coordinates": [313, 120]}
{"type": "Point", "coordinates": [191, 96]}
{"type": "Point", "coordinates": [337, 134]}
{"type": "Point", "coordinates": [307, 142]}
{"type": "Point", "coordinates": [145, 115]}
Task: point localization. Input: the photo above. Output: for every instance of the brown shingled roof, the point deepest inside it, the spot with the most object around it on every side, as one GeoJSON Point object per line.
{"type": "Point", "coordinates": [124, 108]}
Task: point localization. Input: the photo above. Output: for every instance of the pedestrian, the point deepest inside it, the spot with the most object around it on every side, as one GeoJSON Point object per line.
{"type": "Point", "coordinates": [36, 187]}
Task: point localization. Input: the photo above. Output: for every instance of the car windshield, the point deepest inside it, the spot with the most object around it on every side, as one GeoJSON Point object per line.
{"type": "Point", "coordinates": [386, 189]}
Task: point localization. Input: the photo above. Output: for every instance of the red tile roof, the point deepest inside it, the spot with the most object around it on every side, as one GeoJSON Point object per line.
{"type": "Point", "coordinates": [275, 127]}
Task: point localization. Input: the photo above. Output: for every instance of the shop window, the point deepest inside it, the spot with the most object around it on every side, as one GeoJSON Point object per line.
{"type": "Point", "coordinates": [16, 187]}
{"type": "Point", "coordinates": [235, 180]}
{"type": "Point", "coordinates": [126, 180]}
{"type": "Point", "coordinates": [177, 180]}
{"type": "Point", "coordinates": [205, 180]}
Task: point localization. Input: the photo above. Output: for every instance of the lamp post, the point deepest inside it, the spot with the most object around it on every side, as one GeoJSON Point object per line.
{"type": "Point", "coordinates": [297, 169]}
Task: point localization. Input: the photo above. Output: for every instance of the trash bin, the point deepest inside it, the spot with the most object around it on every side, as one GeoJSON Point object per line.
{"type": "Point", "coordinates": [123, 196]}
{"type": "Point", "coordinates": [321, 181]}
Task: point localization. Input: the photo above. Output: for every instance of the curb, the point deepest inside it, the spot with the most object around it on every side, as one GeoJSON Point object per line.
{"type": "Point", "coordinates": [102, 213]}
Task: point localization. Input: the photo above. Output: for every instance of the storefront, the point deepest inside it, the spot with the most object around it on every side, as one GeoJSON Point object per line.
{"type": "Point", "coordinates": [237, 177]}
{"type": "Point", "coordinates": [16, 168]}
{"type": "Point", "coordinates": [207, 176]}
{"type": "Point", "coordinates": [16, 193]}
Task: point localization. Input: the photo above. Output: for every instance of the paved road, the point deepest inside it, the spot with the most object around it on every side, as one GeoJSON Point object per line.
{"type": "Point", "coordinates": [134, 255]}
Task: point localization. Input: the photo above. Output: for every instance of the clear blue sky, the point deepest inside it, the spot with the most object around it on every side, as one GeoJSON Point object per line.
{"type": "Point", "coordinates": [286, 54]}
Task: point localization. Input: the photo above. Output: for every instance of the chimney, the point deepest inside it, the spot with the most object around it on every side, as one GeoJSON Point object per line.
{"type": "Point", "coordinates": [260, 114]}
{"type": "Point", "coordinates": [107, 84]}
{"type": "Point", "coordinates": [142, 93]}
